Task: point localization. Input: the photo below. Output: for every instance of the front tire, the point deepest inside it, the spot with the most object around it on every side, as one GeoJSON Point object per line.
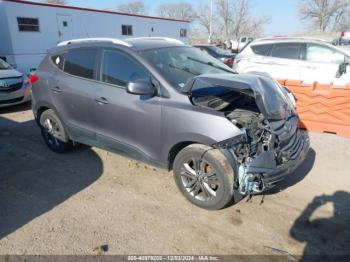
{"type": "Point", "coordinates": [204, 176]}
{"type": "Point", "coordinates": [53, 132]}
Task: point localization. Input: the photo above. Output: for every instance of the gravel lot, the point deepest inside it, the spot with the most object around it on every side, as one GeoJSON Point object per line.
{"type": "Point", "coordinates": [72, 203]}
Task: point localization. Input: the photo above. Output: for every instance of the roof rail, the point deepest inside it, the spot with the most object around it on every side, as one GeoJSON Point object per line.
{"type": "Point", "coordinates": [292, 38]}
{"type": "Point", "coordinates": [96, 39]}
{"type": "Point", "coordinates": [168, 39]}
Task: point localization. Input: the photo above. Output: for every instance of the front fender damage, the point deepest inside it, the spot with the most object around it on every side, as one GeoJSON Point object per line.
{"type": "Point", "coordinates": [270, 145]}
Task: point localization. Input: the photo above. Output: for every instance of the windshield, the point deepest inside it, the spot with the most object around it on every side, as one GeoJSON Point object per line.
{"type": "Point", "coordinates": [179, 65]}
{"type": "Point", "coordinates": [4, 65]}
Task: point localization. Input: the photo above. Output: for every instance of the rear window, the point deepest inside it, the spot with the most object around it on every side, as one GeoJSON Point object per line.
{"type": "Point", "coordinates": [263, 50]}
{"type": "Point", "coordinates": [81, 62]}
{"type": "Point", "coordinates": [286, 50]}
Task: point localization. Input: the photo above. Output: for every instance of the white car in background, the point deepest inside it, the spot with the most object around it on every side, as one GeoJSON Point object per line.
{"type": "Point", "coordinates": [305, 59]}
{"type": "Point", "coordinates": [238, 45]}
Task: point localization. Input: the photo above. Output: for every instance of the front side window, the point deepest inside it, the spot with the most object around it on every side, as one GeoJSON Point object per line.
{"type": "Point", "coordinates": [287, 50]}
{"type": "Point", "coordinates": [119, 69]}
{"type": "Point", "coordinates": [126, 29]}
{"type": "Point", "coordinates": [80, 62]}
{"type": "Point", "coordinates": [26, 24]}
{"type": "Point", "coordinates": [323, 54]}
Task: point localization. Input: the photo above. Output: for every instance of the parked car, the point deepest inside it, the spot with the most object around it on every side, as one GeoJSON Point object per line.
{"type": "Point", "coordinates": [224, 56]}
{"type": "Point", "coordinates": [157, 100]}
{"type": "Point", "coordinates": [345, 35]}
{"type": "Point", "coordinates": [305, 59]}
{"type": "Point", "coordinates": [341, 42]}
{"type": "Point", "coordinates": [238, 45]}
{"type": "Point", "coordinates": [15, 88]}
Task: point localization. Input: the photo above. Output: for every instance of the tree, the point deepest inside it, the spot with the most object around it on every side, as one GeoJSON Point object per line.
{"type": "Point", "coordinates": [236, 21]}
{"type": "Point", "coordinates": [203, 16]}
{"type": "Point", "coordinates": [57, 2]}
{"type": "Point", "coordinates": [223, 10]}
{"type": "Point", "coordinates": [137, 7]}
{"type": "Point", "coordinates": [325, 15]}
{"type": "Point", "coordinates": [182, 11]}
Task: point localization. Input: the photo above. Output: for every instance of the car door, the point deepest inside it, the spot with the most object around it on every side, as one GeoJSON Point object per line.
{"type": "Point", "coordinates": [321, 64]}
{"type": "Point", "coordinates": [285, 61]}
{"type": "Point", "coordinates": [73, 92]}
{"type": "Point", "coordinates": [126, 123]}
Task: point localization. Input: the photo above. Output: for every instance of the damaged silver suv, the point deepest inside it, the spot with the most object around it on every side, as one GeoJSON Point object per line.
{"type": "Point", "coordinates": [224, 135]}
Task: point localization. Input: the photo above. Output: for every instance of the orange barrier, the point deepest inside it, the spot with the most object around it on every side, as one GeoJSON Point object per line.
{"type": "Point", "coordinates": [322, 108]}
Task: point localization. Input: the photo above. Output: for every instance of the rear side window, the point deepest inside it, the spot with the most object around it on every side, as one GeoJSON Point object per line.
{"type": "Point", "coordinates": [81, 62]}
{"type": "Point", "coordinates": [58, 60]}
{"type": "Point", "coordinates": [263, 50]}
{"type": "Point", "coordinates": [119, 69]}
{"type": "Point", "coordinates": [286, 50]}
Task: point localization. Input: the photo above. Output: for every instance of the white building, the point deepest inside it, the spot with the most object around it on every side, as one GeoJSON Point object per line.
{"type": "Point", "coordinates": [29, 29]}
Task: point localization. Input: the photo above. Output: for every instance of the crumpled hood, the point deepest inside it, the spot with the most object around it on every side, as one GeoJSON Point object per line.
{"type": "Point", "coordinates": [8, 73]}
{"type": "Point", "coordinates": [269, 97]}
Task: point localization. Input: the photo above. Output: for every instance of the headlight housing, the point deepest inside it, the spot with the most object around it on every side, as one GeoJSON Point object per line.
{"type": "Point", "coordinates": [288, 95]}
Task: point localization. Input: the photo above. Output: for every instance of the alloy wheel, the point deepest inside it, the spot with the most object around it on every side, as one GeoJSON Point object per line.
{"type": "Point", "coordinates": [200, 179]}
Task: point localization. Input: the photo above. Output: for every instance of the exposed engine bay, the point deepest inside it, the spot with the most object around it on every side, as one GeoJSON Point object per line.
{"type": "Point", "coordinates": [266, 143]}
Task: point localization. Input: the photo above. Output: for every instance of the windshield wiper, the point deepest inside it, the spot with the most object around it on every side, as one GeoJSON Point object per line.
{"type": "Point", "coordinates": [210, 64]}
{"type": "Point", "coordinates": [184, 69]}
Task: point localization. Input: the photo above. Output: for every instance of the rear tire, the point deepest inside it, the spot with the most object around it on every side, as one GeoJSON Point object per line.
{"type": "Point", "coordinates": [53, 132]}
{"type": "Point", "coordinates": [204, 176]}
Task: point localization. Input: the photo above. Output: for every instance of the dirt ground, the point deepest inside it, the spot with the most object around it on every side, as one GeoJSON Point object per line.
{"type": "Point", "coordinates": [72, 203]}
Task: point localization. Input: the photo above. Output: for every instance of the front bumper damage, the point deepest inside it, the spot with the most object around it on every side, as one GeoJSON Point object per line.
{"type": "Point", "coordinates": [264, 171]}
{"type": "Point", "coordinates": [270, 145]}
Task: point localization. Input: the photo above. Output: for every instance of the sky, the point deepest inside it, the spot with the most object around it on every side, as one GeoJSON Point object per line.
{"type": "Point", "coordinates": [283, 14]}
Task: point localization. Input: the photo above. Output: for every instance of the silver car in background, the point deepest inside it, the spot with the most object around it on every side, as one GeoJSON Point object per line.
{"type": "Point", "coordinates": [15, 88]}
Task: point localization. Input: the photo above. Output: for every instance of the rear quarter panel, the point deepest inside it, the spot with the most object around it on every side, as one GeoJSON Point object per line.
{"type": "Point", "coordinates": [41, 95]}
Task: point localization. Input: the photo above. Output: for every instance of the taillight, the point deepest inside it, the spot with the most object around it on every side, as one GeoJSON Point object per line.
{"type": "Point", "coordinates": [228, 61]}
{"type": "Point", "coordinates": [33, 78]}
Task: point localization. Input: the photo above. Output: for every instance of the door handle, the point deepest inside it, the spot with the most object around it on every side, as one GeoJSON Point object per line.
{"type": "Point", "coordinates": [102, 101]}
{"type": "Point", "coordinates": [56, 89]}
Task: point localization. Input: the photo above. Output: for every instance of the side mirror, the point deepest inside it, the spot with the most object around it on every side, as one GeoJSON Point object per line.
{"type": "Point", "coordinates": [141, 87]}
